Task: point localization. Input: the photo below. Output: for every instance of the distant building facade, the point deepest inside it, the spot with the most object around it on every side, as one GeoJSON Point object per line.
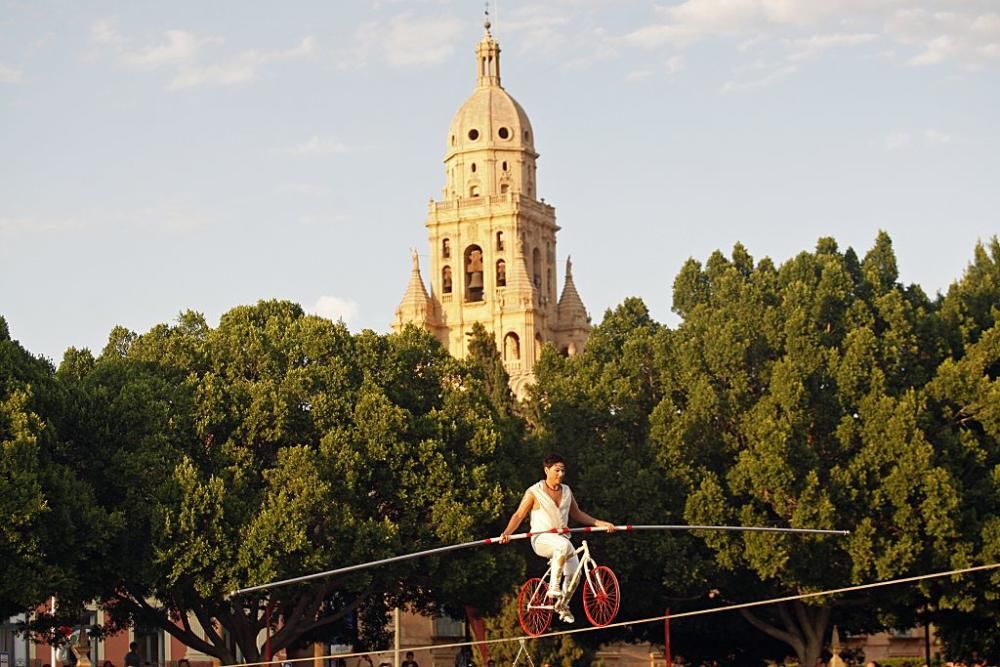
{"type": "Point", "coordinates": [492, 241]}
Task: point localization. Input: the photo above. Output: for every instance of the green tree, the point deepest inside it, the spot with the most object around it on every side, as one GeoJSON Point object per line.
{"type": "Point", "coordinates": [51, 530]}
{"type": "Point", "coordinates": [971, 304]}
{"type": "Point", "coordinates": [963, 424]}
{"type": "Point", "coordinates": [595, 409]}
{"type": "Point", "coordinates": [796, 399]}
{"type": "Point", "coordinates": [279, 444]}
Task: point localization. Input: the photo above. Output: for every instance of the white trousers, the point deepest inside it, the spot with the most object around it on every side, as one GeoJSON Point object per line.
{"type": "Point", "coordinates": [560, 552]}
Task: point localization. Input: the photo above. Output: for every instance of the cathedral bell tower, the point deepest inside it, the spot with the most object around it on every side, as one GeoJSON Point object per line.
{"type": "Point", "coordinates": [492, 242]}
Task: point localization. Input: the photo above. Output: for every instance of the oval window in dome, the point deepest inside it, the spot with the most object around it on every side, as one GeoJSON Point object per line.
{"type": "Point", "coordinates": [473, 134]}
{"type": "Point", "coordinates": [504, 133]}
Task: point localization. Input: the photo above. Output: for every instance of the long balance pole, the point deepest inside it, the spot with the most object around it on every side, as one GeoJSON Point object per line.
{"type": "Point", "coordinates": [524, 536]}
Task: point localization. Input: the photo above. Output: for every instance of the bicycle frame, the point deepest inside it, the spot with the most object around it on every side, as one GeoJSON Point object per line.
{"type": "Point", "coordinates": [584, 569]}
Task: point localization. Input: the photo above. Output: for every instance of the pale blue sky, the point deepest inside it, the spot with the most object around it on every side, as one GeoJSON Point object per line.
{"type": "Point", "coordinates": [156, 157]}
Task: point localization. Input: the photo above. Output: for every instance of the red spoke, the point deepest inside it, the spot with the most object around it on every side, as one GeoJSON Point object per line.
{"type": "Point", "coordinates": [534, 621]}
{"type": "Point", "coordinates": [601, 605]}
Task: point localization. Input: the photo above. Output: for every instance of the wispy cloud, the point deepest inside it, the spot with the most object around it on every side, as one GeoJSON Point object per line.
{"type": "Point", "coordinates": [760, 77]}
{"type": "Point", "coordinates": [22, 226]}
{"type": "Point", "coordinates": [954, 34]}
{"type": "Point", "coordinates": [903, 139]}
{"type": "Point", "coordinates": [336, 308]}
{"type": "Point", "coordinates": [695, 20]}
{"type": "Point", "coordinates": [105, 31]}
{"type": "Point", "coordinates": [9, 74]}
{"type": "Point", "coordinates": [753, 42]}
{"type": "Point", "coordinates": [639, 74]}
{"type": "Point", "coordinates": [404, 40]}
{"type": "Point", "coordinates": [317, 145]}
{"type": "Point", "coordinates": [896, 140]}
{"type": "Point", "coordinates": [810, 47]}
{"type": "Point", "coordinates": [750, 25]}
{"type": "Point", "coordinates": [937, 137]}
{"type": "Point", "coordinates": [178, 49]}
{"type": "Point", "coordinates": [241, 68]}
{"type": "Point", "coordinates": [191, 59]}
{"type": "Point", "coordinates": [798, 31]}
{"type": "Point", "coordinates": [672, 66]}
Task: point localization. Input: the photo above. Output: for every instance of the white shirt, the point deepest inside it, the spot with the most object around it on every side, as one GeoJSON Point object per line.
{"type": "Point", "coordinates": [546, 515]}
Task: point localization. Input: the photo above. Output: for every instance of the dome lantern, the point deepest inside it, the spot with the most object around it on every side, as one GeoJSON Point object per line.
{"type": "Point", "coordinates": [488, 59]}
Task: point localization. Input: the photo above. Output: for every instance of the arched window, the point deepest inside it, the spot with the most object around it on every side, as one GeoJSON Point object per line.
{"type": "Point", "coordinates": [445, 249]}
{"type": "Point", "coordinates": [446, 280]}
{"type": "Point", "coordinates": [548, 283]}
{"type": "Point", "coordinates": [536, 267]}
{"type": "Point", "coordinates": [501, 273]}
{"type": "Point", "coordinates": [499, 241]}
{"type": "Point", "coordinates": [504, 188]}
{"type": "Point", "coordinates": [473, 190]}
{"type": "Point", "coordinates": [511, 347]}
{"type": "Point", "coordinates": [473, 273]}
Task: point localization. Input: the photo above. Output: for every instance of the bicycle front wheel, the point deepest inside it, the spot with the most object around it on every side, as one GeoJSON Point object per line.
{"type": "Point", "coordinates": [600, 601]}
{"type": "Point", "coordinates": [534, 621]}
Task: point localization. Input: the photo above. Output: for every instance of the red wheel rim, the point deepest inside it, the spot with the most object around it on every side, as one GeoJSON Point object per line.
{"type": "Point", "coordinates": [533, 621]}
{"type": "Point", "coordinates": [600, 602]}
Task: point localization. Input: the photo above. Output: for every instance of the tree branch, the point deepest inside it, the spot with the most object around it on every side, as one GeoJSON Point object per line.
{"type": "Point", "coordinates": [772, 630]}
{"type": "Point", "coordinates": [333, 618]}
{"type": "Point", "coordinates": [804, 621]}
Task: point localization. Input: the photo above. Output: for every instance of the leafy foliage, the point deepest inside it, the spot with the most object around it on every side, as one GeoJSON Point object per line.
{"type": "Point", "coordinates": [821, 393]}
{"type": "Point", "coordinates": [279, 444]}
{"type": "Point", "coordinates": [187, 461]}
{"type": "Point", "coordinates": [50, 527]}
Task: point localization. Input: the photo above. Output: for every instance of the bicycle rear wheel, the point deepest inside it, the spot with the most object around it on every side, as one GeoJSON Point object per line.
{"type": "Point", "coordinates": [534, 621]}
{"type": "Point", "coordinates": [600, 601]}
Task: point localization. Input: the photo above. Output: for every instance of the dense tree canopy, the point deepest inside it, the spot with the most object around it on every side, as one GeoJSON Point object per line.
{"type": "Point", "coordinates": [279, 444]}
{"type": "Point", "coordinates": [188, 461]}
{"type": "Point", "coordinates": [596, 407]}
{"type": "Point", "coordinates": [821, 393]}
{"type": "Point", "coordinates": [50, 526]}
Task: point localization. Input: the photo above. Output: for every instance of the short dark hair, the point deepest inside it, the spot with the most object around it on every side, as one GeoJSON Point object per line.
{"type": "Point", "coordinates": [553, 459]}
{"type": "Point", "coordinates": [133, 645]}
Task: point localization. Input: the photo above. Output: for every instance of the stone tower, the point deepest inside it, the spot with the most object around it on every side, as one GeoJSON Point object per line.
{"type": "Point", "coordinates": [492, 241]}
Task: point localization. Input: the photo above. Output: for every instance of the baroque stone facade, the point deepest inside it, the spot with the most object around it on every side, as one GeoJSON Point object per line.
{"type": "Point", "coordinates": [492, 241]}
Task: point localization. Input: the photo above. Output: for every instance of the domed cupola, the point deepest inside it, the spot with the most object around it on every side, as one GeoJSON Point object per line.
{"type": "Point", "coordinates": [491, 149]}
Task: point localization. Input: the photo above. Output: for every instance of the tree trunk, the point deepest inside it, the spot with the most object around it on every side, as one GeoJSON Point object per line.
{"type": "Point", "coordinates": [802, 627]}
{"type": "Point", "coordinates": [243, 624]}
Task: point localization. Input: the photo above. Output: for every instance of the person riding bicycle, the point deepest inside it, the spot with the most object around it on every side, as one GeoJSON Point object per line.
{"type": "Point", "coordinates": [551, 504]}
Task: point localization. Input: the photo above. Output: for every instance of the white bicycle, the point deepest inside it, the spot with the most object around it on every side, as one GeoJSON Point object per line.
{"type": "Point", "coordinates": [600, 595]}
